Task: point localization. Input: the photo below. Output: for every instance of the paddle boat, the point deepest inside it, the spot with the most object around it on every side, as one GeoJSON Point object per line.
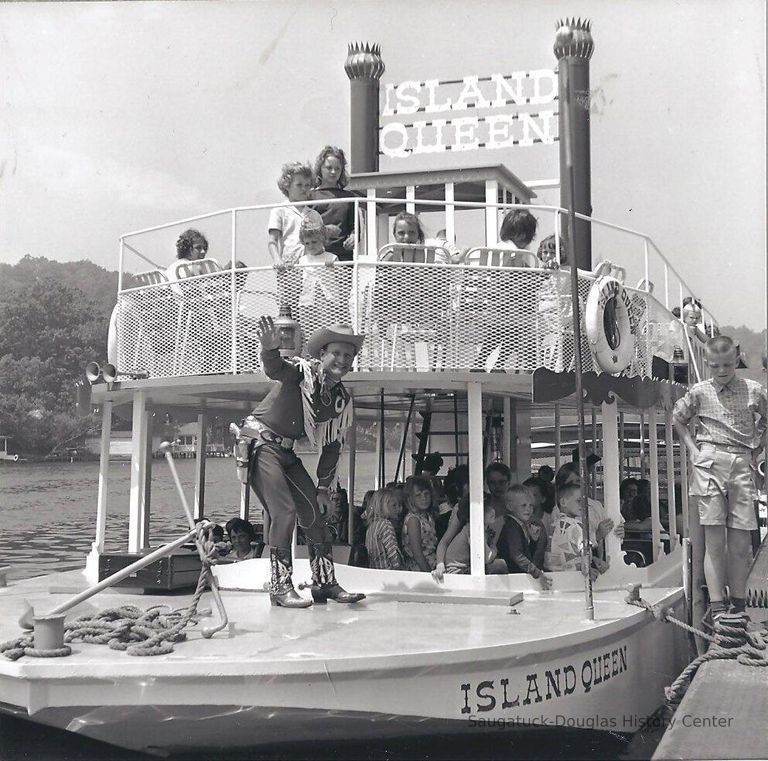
{"type": "Point", "coordinates": [476, 360]}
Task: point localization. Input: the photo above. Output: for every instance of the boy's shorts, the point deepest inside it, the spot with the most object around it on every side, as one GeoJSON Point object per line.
{"type": "Point", "coordinates": [724, 486]}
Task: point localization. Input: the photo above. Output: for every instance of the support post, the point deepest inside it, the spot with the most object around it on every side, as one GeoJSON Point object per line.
{"type": "Point", "coordinates": [506, 439]}
{"type": "Point", "coordinates": [520, 464]}
{"type": "Point", "coordinates": [450, 213]}
{"type": "Point", "coordinates": [491, 213]}
{"type": "Point", "coordinates": [612, 500]}
{"type": "Point", "coordinates": [410, 199]}
{"type": "Point", "coordinates": [669, 444]}
{"type": "Point", "coordinates": [653, 446]}
{"type": "Point", "coordinates": [148, 476]}
{"type": "Point", "coordinates": [200, 446]}
{"type": "Point", "coordinates": [557, 437]}
{"type": "Point", "coordinates": [102, 500]}
{"type": "Point", "coordinates": [137, 520]}
{"type": "Point", "coordinates": [352, 445]}
{"type": "Point", "coordinates": [684, 490]}
{"type": "Point", "coordinates": [621, 446]}
{"type": "Point", "coordinates": [103, 497]}
{"type": "Point", "coordinates": [476, 509]}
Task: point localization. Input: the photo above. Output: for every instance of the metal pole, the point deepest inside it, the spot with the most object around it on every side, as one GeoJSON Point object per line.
{"type": "Point", "coordinates": [405, 438]}
{"type": "Point", "coordinates": [574, 259]}
{"type": "Point", "coordinates": [382, 444]}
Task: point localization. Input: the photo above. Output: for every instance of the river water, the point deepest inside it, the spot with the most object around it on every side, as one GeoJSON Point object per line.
{"type": "Point", "coordinates": [47, 523]}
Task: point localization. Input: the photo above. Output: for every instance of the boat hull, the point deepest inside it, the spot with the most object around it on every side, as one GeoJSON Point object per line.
{"type": "Point", "coordinates": [610, 677]}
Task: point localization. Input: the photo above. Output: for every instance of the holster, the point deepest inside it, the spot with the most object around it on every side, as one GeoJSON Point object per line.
{"type": "Point", "coordinates": [246, 441]}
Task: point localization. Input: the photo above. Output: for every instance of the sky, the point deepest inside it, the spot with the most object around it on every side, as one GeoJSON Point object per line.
{"type": "Point", "coordinates": [120, 116]}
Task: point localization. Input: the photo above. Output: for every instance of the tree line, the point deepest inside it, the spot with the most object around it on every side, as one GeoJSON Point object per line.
{"type": "Point", "coordinates": [54, 318]}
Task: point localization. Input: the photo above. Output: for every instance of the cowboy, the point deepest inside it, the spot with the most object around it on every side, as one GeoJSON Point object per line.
{"type": "Point", "coordinates": [311, 401]}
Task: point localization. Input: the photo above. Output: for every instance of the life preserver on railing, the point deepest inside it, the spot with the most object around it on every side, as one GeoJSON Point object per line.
{"type": "Point", "coordinates": [609, 328]}
{"type": "Point", "coordinates": [112, 339]}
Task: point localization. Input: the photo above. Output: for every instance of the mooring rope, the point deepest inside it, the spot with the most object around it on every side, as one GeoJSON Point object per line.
{"type": "Point", "coordinates": [127, 627]}
{"type": "Point", "coordinates": [731, 640]}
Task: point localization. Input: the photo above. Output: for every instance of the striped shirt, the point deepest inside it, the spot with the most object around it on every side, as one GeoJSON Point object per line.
{"type": "Point", "coordinates": [731, 415]}
{"type": "Point", "coordinates": [381, 543]}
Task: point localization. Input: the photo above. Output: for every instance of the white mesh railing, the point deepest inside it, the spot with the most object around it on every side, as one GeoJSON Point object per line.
{"type": "Point", "coordinates": [415, 317]}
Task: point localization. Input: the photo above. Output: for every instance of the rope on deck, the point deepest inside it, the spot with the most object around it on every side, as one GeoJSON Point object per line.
{"type": "Point", "coordinates": [127, 627]}
{"type": "Point", "coordinates": [731, 640]}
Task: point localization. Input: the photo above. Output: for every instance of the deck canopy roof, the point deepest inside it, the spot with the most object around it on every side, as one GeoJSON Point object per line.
{"type": "Point", "coordinates": [469, 184]}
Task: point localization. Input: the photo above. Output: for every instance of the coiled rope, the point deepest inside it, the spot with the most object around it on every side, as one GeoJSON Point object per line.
{"type": "Point", "coordinates": [730, 640]}
{"type": "Point", "coordinates": [139, 632]}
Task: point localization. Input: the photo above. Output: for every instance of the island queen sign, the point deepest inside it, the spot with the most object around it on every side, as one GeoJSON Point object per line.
{"type": "Point", "coordinates": [493, 112]}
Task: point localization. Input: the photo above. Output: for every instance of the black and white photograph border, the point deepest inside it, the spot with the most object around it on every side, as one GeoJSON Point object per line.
{"type": "Point", "coordinates": [506, 166]}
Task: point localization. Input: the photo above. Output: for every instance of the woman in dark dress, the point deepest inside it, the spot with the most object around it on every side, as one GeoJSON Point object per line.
{"type": "Point", "coordinates": [330, 181]}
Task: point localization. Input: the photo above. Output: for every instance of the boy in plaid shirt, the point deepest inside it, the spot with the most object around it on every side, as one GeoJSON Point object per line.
{"type": "Point", "coordinates": [730, 418]}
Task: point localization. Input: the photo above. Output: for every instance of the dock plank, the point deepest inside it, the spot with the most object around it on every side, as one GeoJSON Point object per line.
{"type": "Point", "coordinates": [721, 716]}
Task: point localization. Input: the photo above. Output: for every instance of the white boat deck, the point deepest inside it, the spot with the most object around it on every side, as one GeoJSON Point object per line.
{"type": "Point", "coordinates": [379, 631]}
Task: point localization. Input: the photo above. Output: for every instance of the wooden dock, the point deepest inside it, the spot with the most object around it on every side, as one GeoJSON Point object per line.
{"type": "Point", "coordinates": [722, 715]}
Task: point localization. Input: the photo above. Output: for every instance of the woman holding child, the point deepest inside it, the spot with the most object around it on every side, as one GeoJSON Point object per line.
{"type": "Point", "coordinates": [330, 180]}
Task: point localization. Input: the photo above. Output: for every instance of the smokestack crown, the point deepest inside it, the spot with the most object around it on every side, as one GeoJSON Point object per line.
{"type": "Point", "coordinates": [574, 38]}
{"type": "Point", "coordinates": [364, 61]}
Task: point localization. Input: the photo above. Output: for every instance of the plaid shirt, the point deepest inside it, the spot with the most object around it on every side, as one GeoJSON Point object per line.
{"type": "Point", "coordinates": [732, 415]}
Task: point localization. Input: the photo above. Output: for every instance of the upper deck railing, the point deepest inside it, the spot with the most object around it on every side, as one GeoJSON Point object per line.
{"type": "Point", "coordinates": [416, 316]}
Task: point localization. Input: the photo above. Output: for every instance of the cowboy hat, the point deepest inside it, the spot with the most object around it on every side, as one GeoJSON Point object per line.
{"type": "Point", "coordinates": [339, 333]}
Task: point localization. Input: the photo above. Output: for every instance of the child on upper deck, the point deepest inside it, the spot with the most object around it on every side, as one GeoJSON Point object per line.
{"type": "Point", "coordinates": [730, 416]}
{"type": "Point", "coordinates": [516, 233]}
{"type": "Point", "coordinates": [285, 246]}
{"type": "Point", "coordinates": [319, 299]}
{"type": "Point", "coordinates": [407, 228]}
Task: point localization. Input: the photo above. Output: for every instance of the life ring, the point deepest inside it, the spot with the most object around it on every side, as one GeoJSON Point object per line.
{"type": "Point", "coordinates": [112, 339]}
{"type": "Point", "coordinates": [609, 328]}
{"type": "Point", "coordinates": [15, 458]}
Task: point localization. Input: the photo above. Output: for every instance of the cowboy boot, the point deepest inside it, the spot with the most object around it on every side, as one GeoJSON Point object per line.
{"type": "Point", "coordinates": [281, 591]}
{"type": "Point", "coordinates": [324, 584]}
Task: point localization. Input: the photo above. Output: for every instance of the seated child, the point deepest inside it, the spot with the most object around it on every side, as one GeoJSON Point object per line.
{"type": "Point", "coordinates": [516, 232]}
{"type": "Point", "coordinates": [542, 513]}
{"type": "Point", "coordinates": [419, 539]}
{"type": "Point", "coordinates": [522, 544]}
{"type": "Point", "coordinates": [455, 254]}
{"type": "Point", "coordinates": [548, 253]}
{"type": "Point", "coordinates": [407, 228]}
{"type": "Point", "coordinates": [567, 538]}
{"type": "Point", "coordinates": [457, 556]}
{"type": "Point", "coordinates": [242, 537]}
{"type": "Point", "coordinates": [380, 538]}
{"type": "Point", "coordinates": [285, 246]}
